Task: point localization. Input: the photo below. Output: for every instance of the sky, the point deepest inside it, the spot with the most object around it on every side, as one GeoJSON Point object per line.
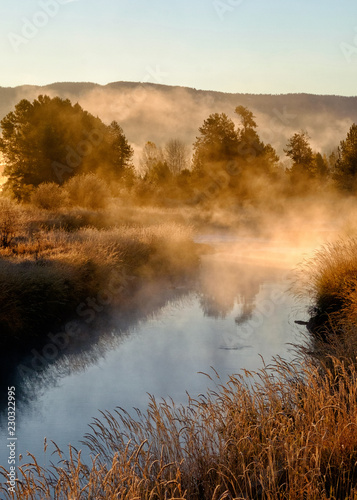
{"type": "Point", "coordinates": [245, 46]}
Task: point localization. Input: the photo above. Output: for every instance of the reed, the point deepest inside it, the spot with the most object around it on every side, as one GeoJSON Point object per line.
{"type": "Point", "coordinates": [329, 280]}
{"type": "Point", "coordinates": [287, 431]}
{"type": "Point", "coordinates": [46, 273]}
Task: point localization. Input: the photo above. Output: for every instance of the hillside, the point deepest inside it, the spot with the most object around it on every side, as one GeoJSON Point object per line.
{"type": "Point", "coordinates": [158, 112]}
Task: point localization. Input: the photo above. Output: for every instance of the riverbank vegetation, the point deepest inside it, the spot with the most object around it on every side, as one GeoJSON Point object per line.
{"type": "Point", "coordinates": [51, 261]}
{"type": "Point", "coordinates": [285, 432]}
{"type": "Point", "coordinates": [51, 142]}
{"type": "Point", "coordinates": [74, 205]}
{"type": "Point", "coordinates": [329, 280]}
{"type": "Point", "coordinates": [76, 212]}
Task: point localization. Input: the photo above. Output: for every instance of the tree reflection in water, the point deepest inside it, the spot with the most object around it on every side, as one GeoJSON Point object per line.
{"type": "Point", "coordinates": [221, 287]}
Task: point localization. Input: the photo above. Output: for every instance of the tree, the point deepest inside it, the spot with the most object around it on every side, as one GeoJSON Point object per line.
{"type": "Point", "coordinates": [120, 151]}
{"type": "Point", "coordinates": [218, 141]}
{"type": "Point", "coordinates": [270, 154]}
{"type": "Point", "coordinates": [299, 150]}
{"type": "Point", "coordinates": [247, 118]}
{"type": "Point", "coordinates": [332, 160]}
{"type": "Point", "coordinates": [176, 156]}
{"type": "Point", "coordinates": [250, 145]}
{"type": "Point", "coordinates": [50, 140]}
{"type": "Point", "coordinates": [116, 161]}
{"type": "Point", "coordinates": [150, 156]}
{"type": "Point", "coordinates": [345, 173]}
{"type": "Point", "coordinates": [321, 166]}
{"type": "Point", "coordinates": [153, 164]}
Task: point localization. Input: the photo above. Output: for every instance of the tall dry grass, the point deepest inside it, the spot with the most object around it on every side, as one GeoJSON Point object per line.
{"type": "Point", "coordinates": [46, 273]}
{"type": "Point", "coordinates": [286, 432]}
{"type": "Point", "coordinates": [329, 279]}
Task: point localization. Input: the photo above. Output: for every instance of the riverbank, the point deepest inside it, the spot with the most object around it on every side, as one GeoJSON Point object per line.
{"type": "Point", "coordinates": [291, 435]}
{"type": "Point", "coordinates": [286, 432]}
{"type": "Point", "coordinates": [52, 270]}
{"type": "Point", "coordinates": [329, 279]}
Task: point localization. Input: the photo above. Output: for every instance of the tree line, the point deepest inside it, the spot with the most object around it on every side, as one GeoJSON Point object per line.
{"type": "Point", "coordinates": [52, 140]}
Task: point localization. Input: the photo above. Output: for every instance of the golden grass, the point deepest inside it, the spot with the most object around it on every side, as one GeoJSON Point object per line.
{"type": "Point", "coordinates": [329, 279]}
{"type": "Point", "coordinates": [286, 432]}
{"type": "Point", "coordinates": [46, 273]}
{"type": "Point", "coordinates": [331, 271]}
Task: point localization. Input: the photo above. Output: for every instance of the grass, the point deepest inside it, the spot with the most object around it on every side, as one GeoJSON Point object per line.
{"type": "Point", "coordinates": [48, 268]}
{"type": "Point", "coordinates": [286, 432]}
{"type": "Point", "coordinates": [329, 279]}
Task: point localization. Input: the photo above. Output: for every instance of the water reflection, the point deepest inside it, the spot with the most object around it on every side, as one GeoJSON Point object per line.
{"type": "Point", "coordinates": [33, 371]}
{"type": "Point", "coordinates": [221, 288]}
{"type": "Point", "coordinates": [223, 285]}
{"type": "Point", "coordinates": [157, 345]}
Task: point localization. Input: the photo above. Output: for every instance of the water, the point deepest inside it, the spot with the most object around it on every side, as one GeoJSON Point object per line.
{"type": "Point", "coordinates": [236, 311]}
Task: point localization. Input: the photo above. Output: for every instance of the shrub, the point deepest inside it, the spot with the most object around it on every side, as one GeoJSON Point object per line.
{"type": "Point", "coordinates": [49, 196]}
{"type": "Point", "coordinates": [87, 190]}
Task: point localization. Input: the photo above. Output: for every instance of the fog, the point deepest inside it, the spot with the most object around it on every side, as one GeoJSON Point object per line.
{"type": "Point", "coordinates": [150, 114]}
{"type": "Point", "coordinates": [157, 113]}
{"type": "Point", "coordinates": [250, 222]}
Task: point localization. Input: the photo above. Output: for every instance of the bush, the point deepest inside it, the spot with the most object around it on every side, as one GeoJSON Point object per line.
{"type": "Point", "coordinates": [49, 196]}
{"type": "Point", "coordinates": [87, 190]}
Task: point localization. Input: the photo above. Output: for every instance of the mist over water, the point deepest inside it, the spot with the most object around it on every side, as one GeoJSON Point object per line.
{"type": "Point", "coordinates": [234, 313]}
{"type": "Point", "coordinates": [236, 310]}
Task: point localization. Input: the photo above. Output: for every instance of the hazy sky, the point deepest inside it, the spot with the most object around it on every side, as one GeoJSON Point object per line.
{"type": "Point", "coordinates": [253, 46]}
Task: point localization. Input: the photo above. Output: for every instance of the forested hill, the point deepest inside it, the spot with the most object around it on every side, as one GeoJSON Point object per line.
{"type": "Point", "coordinates": [157, 113]}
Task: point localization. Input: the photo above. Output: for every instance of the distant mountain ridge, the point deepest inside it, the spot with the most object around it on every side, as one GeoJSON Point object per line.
{"type": "Point", "coordinates": [156, 112]}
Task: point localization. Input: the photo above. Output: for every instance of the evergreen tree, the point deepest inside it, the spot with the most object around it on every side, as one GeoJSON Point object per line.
{"type": "Point", "coordinates": [299, 150]}
{"type": "Point", "coordinates": [218, 141]}
{"type": "Point", "coordinates": [51, 140]}
{"type": "Point", "coordinates": [345, 172]}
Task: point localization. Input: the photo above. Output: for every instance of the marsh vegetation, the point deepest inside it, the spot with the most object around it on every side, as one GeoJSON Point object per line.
{"type": "Point", "coordinates": [82, 229]}
{"type": "Point", "coordinates": [284, 432]}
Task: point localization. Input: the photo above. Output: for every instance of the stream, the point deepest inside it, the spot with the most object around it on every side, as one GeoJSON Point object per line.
{"type": "Point", "coordinates": [236, 312]}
